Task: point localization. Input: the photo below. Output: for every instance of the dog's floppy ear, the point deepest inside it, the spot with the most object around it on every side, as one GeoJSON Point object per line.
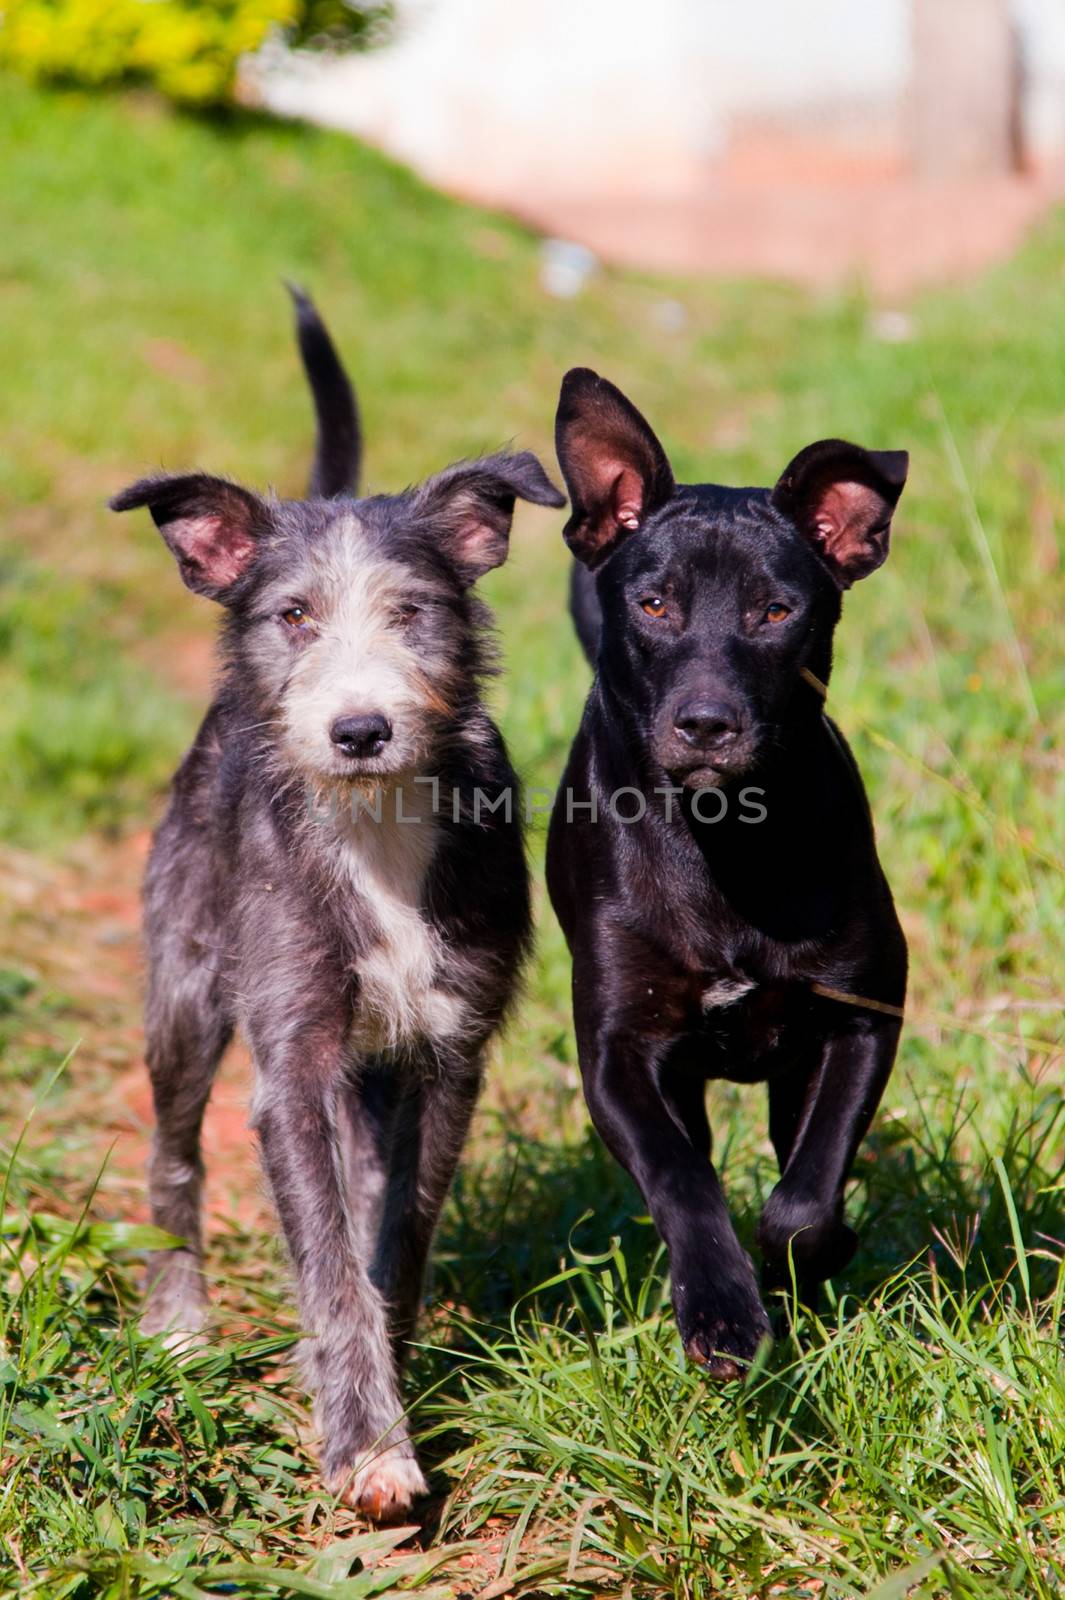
{"type": "Point", "coordinates": [842, 498]}
{"type": "Point", "coordinates": [211, 525]}
{"type": "Point", "coordinates": [471, 506]}
{"type": "Point", "coordinates": [615, 469]}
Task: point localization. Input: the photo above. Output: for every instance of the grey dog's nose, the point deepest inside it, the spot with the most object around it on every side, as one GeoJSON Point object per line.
{"type": "Point", "coordinates": [707, 724]}
{"type": "Point", "coordinates": [359, 737]}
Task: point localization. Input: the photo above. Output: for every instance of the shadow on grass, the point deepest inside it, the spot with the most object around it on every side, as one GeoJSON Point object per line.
{"type": "Point", "coordinates": [553, 1343]}
{"type": "Point", "coordinates": [919, 1200]}
{"type": "Point", "coordinates": [514, 1225]}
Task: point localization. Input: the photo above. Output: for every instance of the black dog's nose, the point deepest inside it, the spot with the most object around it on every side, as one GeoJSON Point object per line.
{"type": "Point", "coordinates": [359, 737]}
{"type": "Point", "coordinates": [707, 724]}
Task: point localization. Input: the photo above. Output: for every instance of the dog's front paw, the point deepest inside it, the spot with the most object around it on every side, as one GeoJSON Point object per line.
{"type": "Point", "coordinates": [383, 1484]}
{"type": "Point", "coordinates": [721, 1326]}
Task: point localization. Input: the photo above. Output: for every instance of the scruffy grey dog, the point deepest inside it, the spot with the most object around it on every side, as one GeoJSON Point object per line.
{"type": "Point", "coordinates": [327, 878]}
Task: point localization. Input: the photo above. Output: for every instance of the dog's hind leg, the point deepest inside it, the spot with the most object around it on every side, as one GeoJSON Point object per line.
{"type": "Point", "coordinates": [188, 1029]}
{"type": "Point", "coordinates": [433, 1119]}
{"type": "Point", "coordinates": [368, 1108]}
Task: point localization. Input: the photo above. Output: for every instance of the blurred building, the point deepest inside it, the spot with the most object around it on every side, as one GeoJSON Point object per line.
{"type": "Point", "coordinates": [602, 118]}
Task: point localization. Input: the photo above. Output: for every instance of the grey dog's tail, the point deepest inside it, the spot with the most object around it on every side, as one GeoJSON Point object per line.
{"type": "Point", "coordinates": [338, 447]}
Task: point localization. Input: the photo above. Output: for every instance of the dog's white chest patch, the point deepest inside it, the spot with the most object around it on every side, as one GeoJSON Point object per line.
{"type": "Point", "coordinates": [400, 999]}
{"type": "Point", "coordinates": [725, 992]}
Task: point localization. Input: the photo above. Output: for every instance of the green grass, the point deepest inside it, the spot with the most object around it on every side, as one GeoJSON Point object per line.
{"type": "Point", "coordinates": [913, 1440]}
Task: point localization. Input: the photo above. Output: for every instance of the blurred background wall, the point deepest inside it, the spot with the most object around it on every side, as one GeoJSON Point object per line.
{"type": "Point", "coordinates": [625, 97]}
{"type": "Point", "coordinates": [705, 135]}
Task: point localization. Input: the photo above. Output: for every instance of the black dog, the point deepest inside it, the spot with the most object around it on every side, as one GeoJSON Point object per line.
{"type": "Point", "coordinates": [737, 923]}
{"type": "Point", "coordinates": [319, 881]}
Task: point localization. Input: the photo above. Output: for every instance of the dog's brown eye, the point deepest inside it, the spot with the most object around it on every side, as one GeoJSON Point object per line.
{"type": "Point", "coordinates": [406, 614]}
{"type": "Point", "coordinates": [296, 617]}
{"type": "Point", "coordinates": [776, 612]}
{"type": "Point", "coordinates": [654, 605]}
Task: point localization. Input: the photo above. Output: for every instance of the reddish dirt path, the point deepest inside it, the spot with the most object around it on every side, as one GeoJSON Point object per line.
{"type": "Point", "coordinates": [790, 211]}
{"type": "Point", "coordinates": [74, 924]}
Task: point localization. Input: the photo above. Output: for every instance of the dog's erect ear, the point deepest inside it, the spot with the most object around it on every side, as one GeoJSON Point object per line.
{"type": "Point", "coordinates": [212, 526]}
{"type": "Point", "coordinates": [615, 469]}
{"type": "Point", "coordinates": [471, 506]}
{"type": "Point", "coordinates": [842, 499]}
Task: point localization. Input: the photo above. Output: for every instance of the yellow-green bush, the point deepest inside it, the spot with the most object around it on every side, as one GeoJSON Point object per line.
{"type": "Point", "coordinates": [188, 49]}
